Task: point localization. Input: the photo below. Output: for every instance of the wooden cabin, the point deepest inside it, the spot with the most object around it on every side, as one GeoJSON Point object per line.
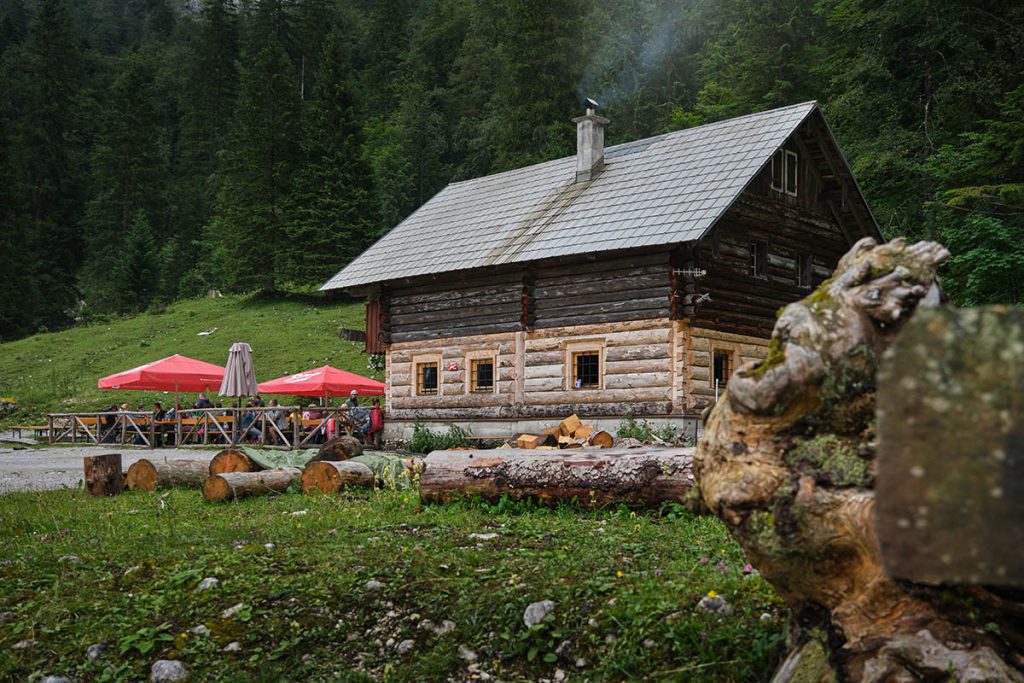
{"type": "Point", "coordinates": [627, 280]}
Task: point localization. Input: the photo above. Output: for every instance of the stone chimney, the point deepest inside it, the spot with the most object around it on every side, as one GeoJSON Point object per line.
{"type": "Point", "coordinates": [589, 145]}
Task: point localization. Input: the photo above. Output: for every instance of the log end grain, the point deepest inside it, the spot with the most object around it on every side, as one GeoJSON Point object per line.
{"type": "Point", "coordinates": [216, 488]}
{"type": "Point", "coordinates": [320, 476]}
{"type": "Point", "coordinates": [232, 460]}
{"type": "Point", "coordinates": [142, 476]}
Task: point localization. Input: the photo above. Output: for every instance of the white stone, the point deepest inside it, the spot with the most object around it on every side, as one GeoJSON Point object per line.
{"type": "Point", "coordinates": [405, 646]}
{"type": "Point", "coordinates": [208, 583]}
{"type": "Point", "coordinates": [94, 652]}
{"type": "Point", "coordinates": [56, 679]}
{"type": "Point", "coordinates": [70, 559]}
{"type": "Point", "coordinates": [169, 671]}
{"type": "Point", "coordinates": [200, 630]}
{"type": "Point", "coordinates": [536, 612]}
{"type": "Point", "coordinates": [232, 611]}
{"type": "Point", "coordinates": [24, 644]}
{"type": "Point", "coordinates": [373, 586]}
{"type": "Point", "coordinates": [467, 654]}
{"type": "Point", "coordinates": [483, 537]}
{"type": "Point", "coordinates": [233, 646]}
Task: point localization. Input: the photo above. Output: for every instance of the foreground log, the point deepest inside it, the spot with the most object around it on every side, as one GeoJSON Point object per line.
{"type": "Point", "coordinates": [601, 440]}
{"type": "Point", "coordinates": [332, 477]}
{"type": "Point", "coordinates": [232, 485]}
{"type": "Point", "coordinates": [149, 475]}
{"type": "Point", "coordinates": [232, 460]}
{"type": "Point", "coordinates": [339, 448]}
{"type": "Point", "coordinates": [787, 462]}
{"type": "Point", "coordinates": [643, 478]}
{"type": "Point", "coordinates": [103, 475]}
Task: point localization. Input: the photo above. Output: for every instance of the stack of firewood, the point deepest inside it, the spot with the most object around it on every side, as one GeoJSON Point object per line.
{"type": "Point", "coordinates": [570, 433]}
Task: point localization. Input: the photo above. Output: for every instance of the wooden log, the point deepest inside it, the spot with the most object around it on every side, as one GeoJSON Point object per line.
{"type": "Point", "coordinates": [642, 478]}
{"type": "Point", "coordinates": [232, 460]}
{"type": "Point", "coordinates": [569, 425]}
{"type": "Point", "coordinates": [103, 475]}
{"type": "Point", "coordinates": [601, 440]}
{"type": "Point", "coordinates": [583, 432]}
{"type": "Point", "coordinates": [529, 441]}
{"type": "Point", "coordinates": [339, 448]}
{"type": "Point", "coordinates": [149, 475]}
{"type": "Point", "coordinates": [332, 477]}
{"type": "Point", "coordinates": [232, 485]}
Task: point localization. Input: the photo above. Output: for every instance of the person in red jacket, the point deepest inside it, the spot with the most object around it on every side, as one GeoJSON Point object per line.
{"type": "Point", "coordinates": [376, 430]}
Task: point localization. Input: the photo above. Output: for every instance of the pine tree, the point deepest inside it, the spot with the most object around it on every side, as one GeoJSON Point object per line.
{"type": "Point", "coordinates": [128, 177]}
{"type": "Point", "coordinates": [259, 167]}
{"type": "Point", "coordinates": [136, 272]}
{"type": "Point", "coordinates": [46, 145]}
{"type": "Point", "coordinates": [331, 217]}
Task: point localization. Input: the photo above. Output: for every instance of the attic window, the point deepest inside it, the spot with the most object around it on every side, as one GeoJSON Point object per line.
{"type": "Point", "coordinates": [784, 172]}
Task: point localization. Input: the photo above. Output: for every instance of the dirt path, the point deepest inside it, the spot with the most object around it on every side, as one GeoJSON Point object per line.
{"type": "Point", "coordinates": [53, 468]}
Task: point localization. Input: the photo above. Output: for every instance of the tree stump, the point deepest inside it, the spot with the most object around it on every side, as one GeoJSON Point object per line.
{"type": "Point", "coordinates": [787, 461]}
{"type": "Point", "coordinates": [232, 460]}
{"type": "Point", "coordinates": [332, 477]}
{"type": "Point", "coordinates": [149, 475]}
{"type": "Point", "coordinates": [339, 448]}
{"type": "Point", "coordinates": [103, 475]}
{"type": "Point", "coordinates": [643, 478]}
{"type": "Point", "coordinates": [232, 485]}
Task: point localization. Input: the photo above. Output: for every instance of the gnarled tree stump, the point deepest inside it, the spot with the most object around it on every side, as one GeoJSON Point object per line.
{"type": "Point", "coordinates": [787, 461]}
{"type": "Point", "coordinates": [103, 475]}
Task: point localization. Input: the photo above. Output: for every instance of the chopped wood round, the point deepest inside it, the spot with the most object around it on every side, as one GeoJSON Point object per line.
{"type": "Point", "coordinates": [602, 439]}
{"type": "Point", "coordinates": [149, 475]}
{"type": "Point", "coordinates": [331, 477]}
{"type": "Point", "coordinates": [638, 477]}
{"type": "Point", "coordinates": [232, 460]}
{"type": "Point", "coordinates": [103, 475]}
{"type": "Point", "coordinates": [232, 485]}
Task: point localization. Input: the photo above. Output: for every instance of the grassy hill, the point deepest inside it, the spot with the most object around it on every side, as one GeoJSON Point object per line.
{"type": "Point", "coordinates": [57, 372]}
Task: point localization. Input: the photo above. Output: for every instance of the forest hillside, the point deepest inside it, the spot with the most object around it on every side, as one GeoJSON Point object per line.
{"type": "Point", "coordinates": [151, 150]}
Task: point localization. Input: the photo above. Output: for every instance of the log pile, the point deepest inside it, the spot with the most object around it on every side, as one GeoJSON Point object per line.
{"type": "Point", "coordinates": [642, 478]}
{"type": "Point", "coordinates": [570, 433]}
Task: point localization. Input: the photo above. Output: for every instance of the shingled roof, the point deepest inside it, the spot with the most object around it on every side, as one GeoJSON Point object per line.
{"type": "Point", "coordinates": [661, 190]}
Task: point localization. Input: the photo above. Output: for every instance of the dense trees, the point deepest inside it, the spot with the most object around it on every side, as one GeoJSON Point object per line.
{"type": "Point", "coordinates": [260, 145]}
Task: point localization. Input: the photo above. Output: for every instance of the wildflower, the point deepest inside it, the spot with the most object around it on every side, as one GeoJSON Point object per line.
{"type": "Point", "coordinates": [722, 568]}
{"type": "Point", "coordinates": [712, 594]}
{"type": "Point", "coordinates": [704, 560]}
{"type": "Point", "coordinates": [748, 568]}
{"type": "Point", "coordinates": [618, 574]}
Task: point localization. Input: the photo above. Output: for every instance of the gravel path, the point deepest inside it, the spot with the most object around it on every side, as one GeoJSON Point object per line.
{"type": "Point", "coordinates": [54, 468]}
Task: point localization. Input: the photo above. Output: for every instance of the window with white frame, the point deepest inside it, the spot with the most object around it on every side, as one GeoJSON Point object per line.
{"type": "Point", "coordinates": [785, 170]}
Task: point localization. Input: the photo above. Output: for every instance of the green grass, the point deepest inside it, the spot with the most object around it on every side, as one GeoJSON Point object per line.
{"type": "Point", "coordinates": [57, 372]}
{"type": "Point", "coordinates": [626, 587]}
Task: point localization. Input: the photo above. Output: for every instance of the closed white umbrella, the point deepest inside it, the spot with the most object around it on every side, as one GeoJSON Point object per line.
{"type": "Point", "coordinates": [239, 376]}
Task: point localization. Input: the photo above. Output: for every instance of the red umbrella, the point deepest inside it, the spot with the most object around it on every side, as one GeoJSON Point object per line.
{"type": "Point", "coordinates": [325, 381]}
{"type": "Point", "coordinates": [175, 373]}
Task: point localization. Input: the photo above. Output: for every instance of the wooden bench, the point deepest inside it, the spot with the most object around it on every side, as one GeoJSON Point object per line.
{"type": "Point", "coordinates": [38, 430]}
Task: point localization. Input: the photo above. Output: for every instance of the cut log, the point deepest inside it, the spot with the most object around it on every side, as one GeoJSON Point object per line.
{"type": "Point", "coordinates": [332, 477]}
{"type": "Point", "coordinates": [149, 475]}
{"type": "Point", "coordinates": [232, 460]}
{"type": "Point", "coordinates": [232, 485]}
{"type": "Point", "coordinates": [583, 432]}
{"type": "Point", "coordinates": [638, 478]}
{"type": "Point", "coordinates": [339, 448]}
{"type": "Point", "coordinates": [787, 461]}
{"type": "Point", "coordinates": [601, 440]}
{"type": "Point", "coordinates": [552, 431]}
{"type": "Point", "coordinates": [529, 441]}
{"type": "Point", "coordinates": [103, 476]}
{"type": "Point", "coordinates": [569, 425]}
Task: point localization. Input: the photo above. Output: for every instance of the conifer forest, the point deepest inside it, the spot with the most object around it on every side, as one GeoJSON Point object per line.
{"type": "Point", "coordinates": [152, 150]}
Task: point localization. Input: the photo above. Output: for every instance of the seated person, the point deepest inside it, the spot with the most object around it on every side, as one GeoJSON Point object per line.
{"type": "Point", "coordinates": [203, 402]}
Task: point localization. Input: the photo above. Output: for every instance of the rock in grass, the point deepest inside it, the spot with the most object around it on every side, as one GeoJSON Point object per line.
{"type": "Point", "coordinates": [372, 586]}
{"type": "Point", "coordinates": [232, 611]}
{"type": "Point", "coordinates": [24, 644]}
{"type": "Point", "coordinates": [467, 654]}
{"type": "Point", "coordinates": [444, 628]}
{"type": "Point", "coordinates": [70, 559]}
{"type": "Point", "coordinates": [483, 537]}
{"type": "Point", "coordinates": [7, 617]}
{"type": "Point", "coordinates": [57, 679]}
{"type": "Point", "coordinates": [233, 646]}
{"type": "Point", "coordinates": [94, 652]}
{"type": "Point", "coordinates": [207, 583]}
{"type": "Point", "coordinates": [200, 630]}
{"type": "Point", "coordinates": [169, 671]}
{"type": "Point", "coordinates": [715, 605]}
{"type": "Point", "coordinates": [405, 646]}
{"type": "Point", "coordinates": [536, 612]}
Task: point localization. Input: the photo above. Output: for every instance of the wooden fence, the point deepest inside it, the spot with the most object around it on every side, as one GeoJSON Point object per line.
{"type": "Point", "coordinates": [272, 427]}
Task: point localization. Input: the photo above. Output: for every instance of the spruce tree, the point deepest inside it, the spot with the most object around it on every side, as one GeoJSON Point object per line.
{"type": "Point", "coordinates": [46, 153]}
{"type": "Point", "coordinates": [136, 272]}
{"type": "Point", "coordinates": [331, 217]}
{"type": "Point", "coordinates": [128, 177]}
{"type": "Point", "coordinates": [259, 167]}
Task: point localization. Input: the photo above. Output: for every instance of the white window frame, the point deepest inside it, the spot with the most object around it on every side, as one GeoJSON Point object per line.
{"type": "Point", "coordinates": [780, 182]}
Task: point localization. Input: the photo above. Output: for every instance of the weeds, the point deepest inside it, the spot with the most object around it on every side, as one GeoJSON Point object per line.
{"type": "Point", "coordinates": [424, 440]}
